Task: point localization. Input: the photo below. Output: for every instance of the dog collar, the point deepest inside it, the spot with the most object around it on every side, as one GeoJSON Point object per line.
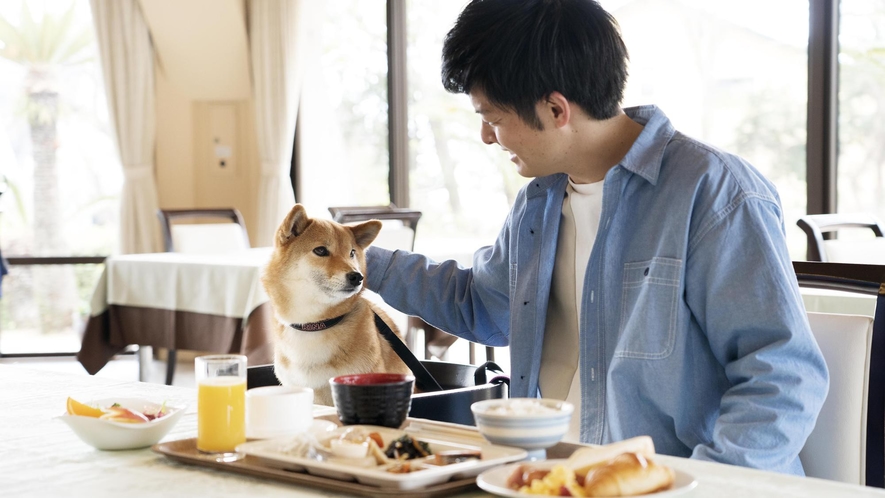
{"type": "Point", "coordinates": [317, 326]}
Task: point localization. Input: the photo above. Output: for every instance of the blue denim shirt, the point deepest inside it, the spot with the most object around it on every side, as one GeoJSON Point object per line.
{"type": "Point", "coordinates": [692, 328]}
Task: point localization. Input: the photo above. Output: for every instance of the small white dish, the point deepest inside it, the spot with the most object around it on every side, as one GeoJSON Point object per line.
{"type": "Point", "coordinates": [495, 481]}
{"type": "Point", "coordinates": [318, 426]}
{"type": "Point", "coordinates": [109, 435]}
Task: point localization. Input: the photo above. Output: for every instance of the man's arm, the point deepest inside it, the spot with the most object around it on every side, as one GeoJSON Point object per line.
{"type": "Point", "coordinates": [472, 303]}
{"type": "Point", "coordinates": [742, 290]}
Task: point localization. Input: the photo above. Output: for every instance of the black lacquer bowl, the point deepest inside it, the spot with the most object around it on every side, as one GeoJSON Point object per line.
{"type": "Point", "coordinates": [373, 398]}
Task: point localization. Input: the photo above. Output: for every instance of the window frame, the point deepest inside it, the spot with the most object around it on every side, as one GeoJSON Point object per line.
{"type": "Point", "coordinates": [821, 142]}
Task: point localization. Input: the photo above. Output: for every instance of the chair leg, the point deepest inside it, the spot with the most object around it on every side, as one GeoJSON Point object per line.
{"type": "Point", "coordinates": [171, 357]}
{"type": "Point", "coordinates": [490, 353]}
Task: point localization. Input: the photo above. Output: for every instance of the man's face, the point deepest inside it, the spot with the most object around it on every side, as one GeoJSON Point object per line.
{"type": "Point", "coordinates": [529, 148]}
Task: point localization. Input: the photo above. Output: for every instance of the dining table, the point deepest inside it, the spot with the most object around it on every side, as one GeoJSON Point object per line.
{"type": "Point", "coordinates": [180, 301]}
{"type": "Point", "coordinates": [41, 456]}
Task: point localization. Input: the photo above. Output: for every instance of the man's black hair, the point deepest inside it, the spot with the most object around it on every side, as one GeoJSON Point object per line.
{"type": "Point", "coordinates": [520, 51]}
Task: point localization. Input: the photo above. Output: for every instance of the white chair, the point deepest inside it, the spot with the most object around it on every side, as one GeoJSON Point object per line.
{"type": "Point", "coordinates": [869, 250]}
{"type": "Point", "coordinates": [836, 448]}
{"type": "Point", "coordinates": [848, 442]}
{"type": "Point", "coordinates": [207, 235]}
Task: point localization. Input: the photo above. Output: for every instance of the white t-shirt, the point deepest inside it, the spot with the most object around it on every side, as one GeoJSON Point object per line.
{"type": "Point", "coordinates": [560, 366]}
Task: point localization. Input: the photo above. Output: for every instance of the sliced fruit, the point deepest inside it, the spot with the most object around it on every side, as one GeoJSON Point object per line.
{"type": "Point", "coordinates": [84, 410]}
{"type": "Point", "coordinates": [120, 414]}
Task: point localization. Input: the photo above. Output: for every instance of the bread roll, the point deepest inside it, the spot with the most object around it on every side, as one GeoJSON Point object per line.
{"type": "Point", "coordinates": [584, 459]}
{"type": "Point", "coordinates": [627, 475]}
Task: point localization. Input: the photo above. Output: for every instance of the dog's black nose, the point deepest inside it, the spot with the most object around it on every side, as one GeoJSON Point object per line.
{"type": "Point", "coordinates": [354, 278]}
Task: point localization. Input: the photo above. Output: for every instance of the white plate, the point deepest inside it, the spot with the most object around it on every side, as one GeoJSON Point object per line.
{"type": "Point", "coordinates": [318, 426]}
{"type": "Point", "coordinates": [271, 452]}
{"type": "Point", "coordinates": [495, 481]}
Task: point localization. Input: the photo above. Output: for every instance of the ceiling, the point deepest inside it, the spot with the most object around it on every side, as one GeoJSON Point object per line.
{"type": "Point", "coordinates": [202, 46]}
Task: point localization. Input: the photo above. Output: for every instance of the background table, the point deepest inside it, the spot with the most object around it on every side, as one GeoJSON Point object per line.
{"type": "Point", "coordinates": [211, 303]}
{"type": "Point", "coordinates": [43, 457]}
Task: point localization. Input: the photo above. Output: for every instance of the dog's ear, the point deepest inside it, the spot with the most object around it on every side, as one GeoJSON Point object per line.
{"type": "Point", "coordinates": [295, 223]}
{"type": "Point", "coordinates": [365, 233]}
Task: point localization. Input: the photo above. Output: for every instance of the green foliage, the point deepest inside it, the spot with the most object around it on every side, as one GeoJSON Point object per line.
{"type": "Point", "coordinates": [53, 40]}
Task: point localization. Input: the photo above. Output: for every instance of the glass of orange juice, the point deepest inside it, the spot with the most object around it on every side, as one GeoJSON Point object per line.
{"type": "Point", "coordinates": [221, 404]}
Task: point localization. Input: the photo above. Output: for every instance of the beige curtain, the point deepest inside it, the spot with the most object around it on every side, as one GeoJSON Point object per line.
{"type": "Point", "coordinates": [127, 61]}
{"type": "Point", "coordinates": [276, 38]}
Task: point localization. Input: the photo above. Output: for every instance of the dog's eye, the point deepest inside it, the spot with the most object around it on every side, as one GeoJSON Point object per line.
{"type": "Point", "coordinates": [353, 253]}
{"type": "Point", "coordinates": [321, 251]}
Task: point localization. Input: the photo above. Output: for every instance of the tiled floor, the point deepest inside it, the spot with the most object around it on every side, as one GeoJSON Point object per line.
{"type": "Point", "coordinates": [123, 367]}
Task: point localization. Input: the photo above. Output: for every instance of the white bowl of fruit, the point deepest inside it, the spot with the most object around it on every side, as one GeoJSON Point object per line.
{"type": "Point", "coordinates": [120, 423]}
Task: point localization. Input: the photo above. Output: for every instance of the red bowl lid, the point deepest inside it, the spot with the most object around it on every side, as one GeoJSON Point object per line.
{"type": "Point", "coordinates": [366, 379]}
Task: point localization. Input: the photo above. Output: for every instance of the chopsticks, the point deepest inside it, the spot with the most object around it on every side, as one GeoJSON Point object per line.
{"type": "Point", "coordinates": [445, 430]}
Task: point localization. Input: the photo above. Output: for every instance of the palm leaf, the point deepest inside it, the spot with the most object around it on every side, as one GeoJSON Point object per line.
{"type": "Point", "coordinates": [18, 200]}
{"type": "Point", "coordinates": [11, 38]}
{"type": "Point", "coordinates": [74, 51]}
{"type": "Point", "coordinates": [56, 30]}
{"type": "Point", "coordinates": [52, 40]}
{"type": "Point", "coordinates": [30, 32]}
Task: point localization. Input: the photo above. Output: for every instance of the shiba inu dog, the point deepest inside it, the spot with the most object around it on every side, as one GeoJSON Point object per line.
{"type": "Point", "coordinates": [326, 326]}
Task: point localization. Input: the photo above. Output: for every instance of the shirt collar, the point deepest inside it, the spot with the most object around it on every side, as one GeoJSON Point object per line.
{"type": "Point", "coordinates": [538, 186]}
{"type": "Point", "coordinates": [647, 153]}
{"type": "Point", "coordinates": [644, 158]}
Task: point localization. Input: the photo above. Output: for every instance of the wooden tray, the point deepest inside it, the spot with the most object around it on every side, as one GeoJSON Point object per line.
{"type": "Point", "coordinates": [185, 451]}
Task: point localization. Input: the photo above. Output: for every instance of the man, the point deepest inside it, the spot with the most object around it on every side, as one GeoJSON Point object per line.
{"type": "Point", "coordinates": [641, 274]}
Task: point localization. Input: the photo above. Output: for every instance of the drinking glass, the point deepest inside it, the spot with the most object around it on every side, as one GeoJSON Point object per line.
{"type": "Point", "coordinates": [221, 404]}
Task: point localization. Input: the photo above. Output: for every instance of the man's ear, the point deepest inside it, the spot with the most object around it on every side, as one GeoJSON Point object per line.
{"type": "Point", "coordinates": [557, 109]}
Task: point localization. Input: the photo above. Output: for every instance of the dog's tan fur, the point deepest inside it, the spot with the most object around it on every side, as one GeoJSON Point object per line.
{"type": "Point", "coordinates": [306, 285]}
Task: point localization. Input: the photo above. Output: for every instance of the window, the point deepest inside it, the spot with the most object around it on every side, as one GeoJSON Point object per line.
{"type": "Point", "coordinates": [721, 72]}
{"type": "Point", "coordinates": [861, 157]}
{"type": "Point", "coordinates": [730, 77]}
{"type": "Point", "coordinates": [343, 145]}
{"type": "Point", "coordinates": [463, 187]}
{"type": "Point", "coordinates": [59, 161]}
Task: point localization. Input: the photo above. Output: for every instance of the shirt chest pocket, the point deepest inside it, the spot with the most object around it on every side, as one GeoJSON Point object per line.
{"type": "Point", "coordinates": [647, 328]}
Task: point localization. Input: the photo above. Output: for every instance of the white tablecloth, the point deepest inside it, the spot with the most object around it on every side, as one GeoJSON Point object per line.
{"type": "Point", "coordinates": [40, 456]}
{"type": "Point", "coordinates": [215, 284]}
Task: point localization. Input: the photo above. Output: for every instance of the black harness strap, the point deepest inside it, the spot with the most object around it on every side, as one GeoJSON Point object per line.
{"type": "Point", "coordinates": [423, 379]}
